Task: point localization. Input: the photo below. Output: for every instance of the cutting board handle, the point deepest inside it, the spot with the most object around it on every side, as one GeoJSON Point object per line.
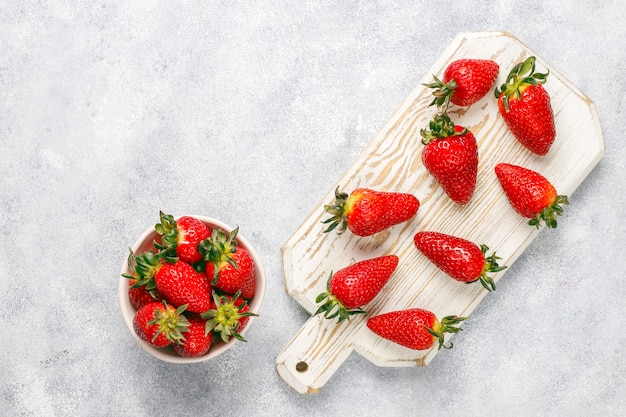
{"type": "Point", "coordinates": [316, 352]}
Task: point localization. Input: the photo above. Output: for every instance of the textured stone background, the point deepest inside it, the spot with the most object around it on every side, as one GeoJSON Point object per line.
{"type": "Point", "coordinates": [249, 112]}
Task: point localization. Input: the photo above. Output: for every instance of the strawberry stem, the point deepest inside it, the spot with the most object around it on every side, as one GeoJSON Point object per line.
{"type": "Point", "coordinates": [224, 318]}
{"type": "Point", "coordinates": [442, 92]}
{"type": "Point", "coordinates": [144, 268]}
{"type": "Point", "coordinates": [549, 213]}
{"type": "Point", "coordinates": [441, 127]}
{"type": "Point", "coordinates": [172, 323]}
{"type": "Point", "coordinates": [521, 76]}
{"type": "Point", "coordinates": [447, 325]}
{"type": "Point", "coordinates": [491, 265]}
{"type": "Point", "coordinates": [337, 212]}
{"type": "Point", "coordinates": [168, 230]}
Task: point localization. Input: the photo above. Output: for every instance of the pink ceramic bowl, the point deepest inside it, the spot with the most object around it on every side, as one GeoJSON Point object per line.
{"type": "Point", "coordinates": [143, 244]}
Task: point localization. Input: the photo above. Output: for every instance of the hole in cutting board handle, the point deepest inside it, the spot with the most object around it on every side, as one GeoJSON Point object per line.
{"type": "Point", "coordinates": [302, 366]}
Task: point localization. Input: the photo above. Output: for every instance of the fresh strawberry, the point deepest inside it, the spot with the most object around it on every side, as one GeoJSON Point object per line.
{"type": "Point", "coordinates": [451, 156]}
{"type": "Point", "coordinates": [170, 278]}
{"type": "Point", "coordinates": [197, 341]}
{"type": "Point", "coordinates": [465, 81]}
{"type": "Point", "coordinates": [228, 316]}
{"type": "Point", "coordinates": [180, 284]}
{"type": "Point", "coordinates": [531, 194]}
{"type": "Point", "coordinates": [525, 107]}
{"type": "Point", "coordinates": [459, 258]}
{"type": "Point", "coordinates": [160, 323]}
{"type": "Point", "coordinates": [366, 212]}
{"type": "Point", "coordinates": [414, 328]}
{"type": "Point", "coordinates": [354, 286]}
{"type": "Point", "coordinates": [228, 265]}
{"type": "Point", "coordinates": [182, 236]}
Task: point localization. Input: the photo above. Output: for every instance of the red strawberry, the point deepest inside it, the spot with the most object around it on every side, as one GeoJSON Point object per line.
{"type": "Point", "coordinates": [531, 194]}
{"type": "Point", "coordinates": [197, 342]}
{"type": "Point", "coordinates": [228, 265]}
{"type": "Point", "coordinates": [352, 287]}
{"type": "Point", "coordinates": [525, 107]}
{"type": "Point", "coordinates": [180, 284]}
{"type": "Point", "coordinates": [451, 156]}
{"type": "Point", "coordinates": [414, 328]}
{"type": "Point", "coordinates": [228, 316]}
{"type": "Point", "coordinates": [366, 212]}
{"type": "Point", "coordinates": [171, 279]}
{"type": "Point", "coordinates": [459, 258]}
{"type": "Point", "coordinates": [160, 324]}
{"type": "Point", "coordinates": [182, 236]}
{"type": "Point", "coordinates": [465, 81]}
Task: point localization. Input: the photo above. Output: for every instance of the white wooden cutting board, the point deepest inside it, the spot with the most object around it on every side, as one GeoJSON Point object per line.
{"type": "Point", "coordinates": [392, 162]}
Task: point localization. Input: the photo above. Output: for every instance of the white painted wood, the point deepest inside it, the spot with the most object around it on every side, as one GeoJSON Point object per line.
{"type": "Point", "coordinates": [392, 162]}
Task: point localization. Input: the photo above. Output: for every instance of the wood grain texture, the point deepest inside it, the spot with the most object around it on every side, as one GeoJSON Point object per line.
{"type": "Point", "coordinates": [392, 162]}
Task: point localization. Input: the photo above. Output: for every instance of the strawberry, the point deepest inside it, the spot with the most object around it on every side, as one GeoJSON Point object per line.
{"type": "Point", "coordinates": [170, 278]}
{"type": "Point", "coordinates": [459, 258]}
{"type": "Point", "coordinates": [197, 341]}
{"type": "Point", "coordinates": [182, 236]}
{"type": "Point", "coordinates": [228, 265]}
{"type": "Point", "coordinates": [531, 194]}
{"type": "Point", "coordinates": [352, 287]}
{"type": "Point", "coordinates": [414, 328]}
{"type": "Point", "coordinates": [228, 316]}
{"type": "Point", "coordinates": [465, 81]}
{"type": "Point", "coordinates": [180, 284]}
{"type": "Point", "coordinates": [160, 324]}
{"type": "Point", "coordinates": [525, 107]}
{"type": "Point", "coordinates": [451, 156]}
{"type": "Point", "coordinates": [366, 212]}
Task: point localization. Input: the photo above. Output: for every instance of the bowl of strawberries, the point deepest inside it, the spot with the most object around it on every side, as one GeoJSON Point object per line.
{"type": "Point", "coordinates": [190, 288]}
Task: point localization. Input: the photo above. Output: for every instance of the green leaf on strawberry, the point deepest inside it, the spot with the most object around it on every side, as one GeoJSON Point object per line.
{"type": "Point", "coordinates": [160, 323]}
{"type": "Point", "coordinates": [521, 75]}
{"type": "Point", "coordinates": [228, 316]}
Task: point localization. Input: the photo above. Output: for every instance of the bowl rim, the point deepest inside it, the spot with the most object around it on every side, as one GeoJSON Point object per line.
{"type": "Point", "coordinates": [128, 311]}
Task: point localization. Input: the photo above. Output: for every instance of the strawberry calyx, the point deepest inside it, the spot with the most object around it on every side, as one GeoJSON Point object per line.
{"type": "Point", "coordinates": [168, 229]}
{"type": "Point", "coordinates": [171, 322]}
{"type": "Point", "coordinates": [337, 212]}
{"type": "Point", "coordinates": [442, 92]}
{"type": "Point", "coordinates": [224, 318]}
{"type": "Point", "coordinates": [549, 213]}
{"type": "Point", "coordinates": [491, 265]}
{"type": "Point", "coordinates": [521, 76]}
{"type": "Point", "coordinates": [332, 307]}
{"type": "Point", "coordinates": [447, 325]}
{"type": "Point", "coordinates": [218, 249]}
{"type": "Point", "coordinates": [441, 127]}
{"type": "Point", "coordinates": [144, 268]}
